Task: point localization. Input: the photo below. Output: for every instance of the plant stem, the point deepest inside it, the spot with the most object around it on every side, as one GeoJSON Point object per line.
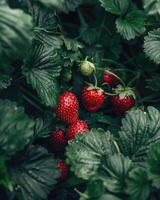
{"type": "Point", "coordinates": [101, 26]}
{"type": "Point", "coordinates": [138, 75]}
{"type": "Point", "coordinates": [95, 80]}
{"type": "Point", "coordinates": [113, 61]}
{"type": "Point", "coordinates": [32, 103]}
{"type": "Point", "coordinates": [148, 98]}
{"type": "Point", "coordinates": [81, 194]}
{"type": "Point", "coordinates": [82, 20]}
{"type": "Point", "coordinates": [28, 93]}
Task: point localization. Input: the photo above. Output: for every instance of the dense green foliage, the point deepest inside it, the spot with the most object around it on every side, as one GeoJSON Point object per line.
{"type": "Point", "coordinates": [42, 46]}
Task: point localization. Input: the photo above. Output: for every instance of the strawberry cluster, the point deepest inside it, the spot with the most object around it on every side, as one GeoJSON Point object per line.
{"type": "Point", "coordinates": [68, 112]}
{"type": "Point", "coordinates": [93, 98]}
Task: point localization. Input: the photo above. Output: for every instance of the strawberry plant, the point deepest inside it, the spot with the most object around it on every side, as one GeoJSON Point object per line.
{"type": "Point", "coordinates": [79, 99]}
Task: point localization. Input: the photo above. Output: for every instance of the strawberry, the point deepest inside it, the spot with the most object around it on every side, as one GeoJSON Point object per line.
{"type": "Point", "coordinates": [87, 67]}
{"type": "Point", "coordinates": [58, 140]}
{"type": "Point", "coordinates": [92, 98]}
{"type": "Point", "coordinates": [67, 109]}
{"type": "Point", "coordinates": [123, 100]}
{"type": "Point", "coordinates": [63, 169]}
{"type": "Point", "coordinates": [110, 78]}
{"type": "Point", "coordinates": [76, 128]}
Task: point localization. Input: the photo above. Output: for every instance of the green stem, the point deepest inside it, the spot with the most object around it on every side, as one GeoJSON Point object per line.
{"type": "Point", "coordinates": [82, 20]}
{"type": "Point", "coordinates": [28, 93]}
{"type": "Point", "coordinates": [107, 30]}
{"type": "Point", "coordinates": [113, 61]}
{"type": "Point", "coordinates": [149, 98]}
{"type": "Point", "coordinates": [116, 146]}
{"type": "Point", "coordinates": [18, 79]}
{"type": "Point", "coordinates": [122, 82]}
{"type": "Point", "coordinates": [95, 80]}
{"type": "Point", "coordinates": [109, 94]}
{"type": "Point", "coordinates": [116, 77]}
{"type": "Point", "coordinates": [32, 103]}
{"type": "Point", "coordinates": [107, 85]}
{"type": "Point", "coordinates": [154, 100]}
{"type": "Point", "coordinates": [127, 70]}
{"type": "Point", "coordinates": [101, 26]}
{"type": "Point", "coordinates": [117, 69]}
{"type": "Point", "coordinates": [81, 194]}
{"type": "Point", "coordinates": [138, 75]}
{"type": "Point", "coordinates": [138, 99]}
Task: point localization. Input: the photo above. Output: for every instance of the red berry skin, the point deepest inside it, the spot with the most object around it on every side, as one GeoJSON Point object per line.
{"type": "Point", "coordinates": [67, 109]}
{"type": "Point", "coordinates": [76, 128]}
{"type": "Point", "coordinates": [58, 140]}
{"type": "Point", "coordinates": [92, 98]}
{"type": "Point", "coordinates": [122, 105]}
{"type": "Point", "coordinates": [110, 79]}
{"type": "Point", "coordinates": [63, 169]}
{"type": "Point", "coordinates": [91, 108]}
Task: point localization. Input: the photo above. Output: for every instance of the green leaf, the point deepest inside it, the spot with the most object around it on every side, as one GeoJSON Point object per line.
{"type": "Point", "coordinates": [4, 179]}
{"type": "Point", "coordinates": [152, 45]}
{"type": "Point", "coordinates": [61, 5]}
{"type": "Point", "coordinates": [117, 7]}
{"type": "Point", "coordinates": [85, 152]}
{"type": "Point", "coordinates": [44, 126]}
{"type": "Point", "coordinates": [153, 162]}
{"type": "Point", "coordinates": [5, 76]}
{"type": "Point", "coordinates": [89, 34]}
{"type": "Point", "coordinates": [139, 130]}
{"type": "Point", "coordinates": [3, 2]}
{"type": "Point", "coordinates": [132, 25]}
{"type": "Point", "coordinates": [16, 32]}
{"type": "Point", "coordinates": [154, 83]}
{"type": "Point", "coordinates": [46, 23]}
{"type": "Point", "coordinates": [71, 51]}
{"type": "Point", "coordinates": [41, 69]}
{"type": "Point", "coordinates": [113, 171]}
{"type": "Point", "coordinates": [152, 7]}
{"type": "Point", "coordinates": [95, 188]}
{"type": "Point", "coordinates": [72, 44]}
{"type": "Point", "coordinates": [16, 129]}
{"type": "Point", "coordinates": [34, 174]}
{"type": "Point", "coordinates": [43, 18]}
{"type": "Point", "coordinates": [48, 39]}
{"type": "Point", "coordinates": [109, 197]}
{"type": "Point", "coordinates": [138, 185]}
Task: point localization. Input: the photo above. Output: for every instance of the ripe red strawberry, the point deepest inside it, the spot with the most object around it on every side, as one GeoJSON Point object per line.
{"type": "Point", "coordinates": [63, 169]}
{"type": "Point", "coordinates": [58, 140]}
{"type": "Point", "coordinates": [76, 128]}
{"type": "Point", "coordinates": [92, 98]}
{"type": "Point", "coordinates": [123, 100]}
{"type": "Point", "coordinates": [110, 79]}
{"type": "Point", "coordinates": [67, 109]}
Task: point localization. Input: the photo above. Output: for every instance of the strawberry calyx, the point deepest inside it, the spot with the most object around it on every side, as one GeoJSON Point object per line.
{"type": "Point", "coordinates": [86, 62]}
{"type": "Point", "coordinates": [92, 87]}
{"type": "Point", "coordinates": [124, 91]}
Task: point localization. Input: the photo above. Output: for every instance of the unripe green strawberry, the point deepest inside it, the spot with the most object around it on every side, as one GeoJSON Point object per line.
{"type": "Point", "coordinates": [87, 67]}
